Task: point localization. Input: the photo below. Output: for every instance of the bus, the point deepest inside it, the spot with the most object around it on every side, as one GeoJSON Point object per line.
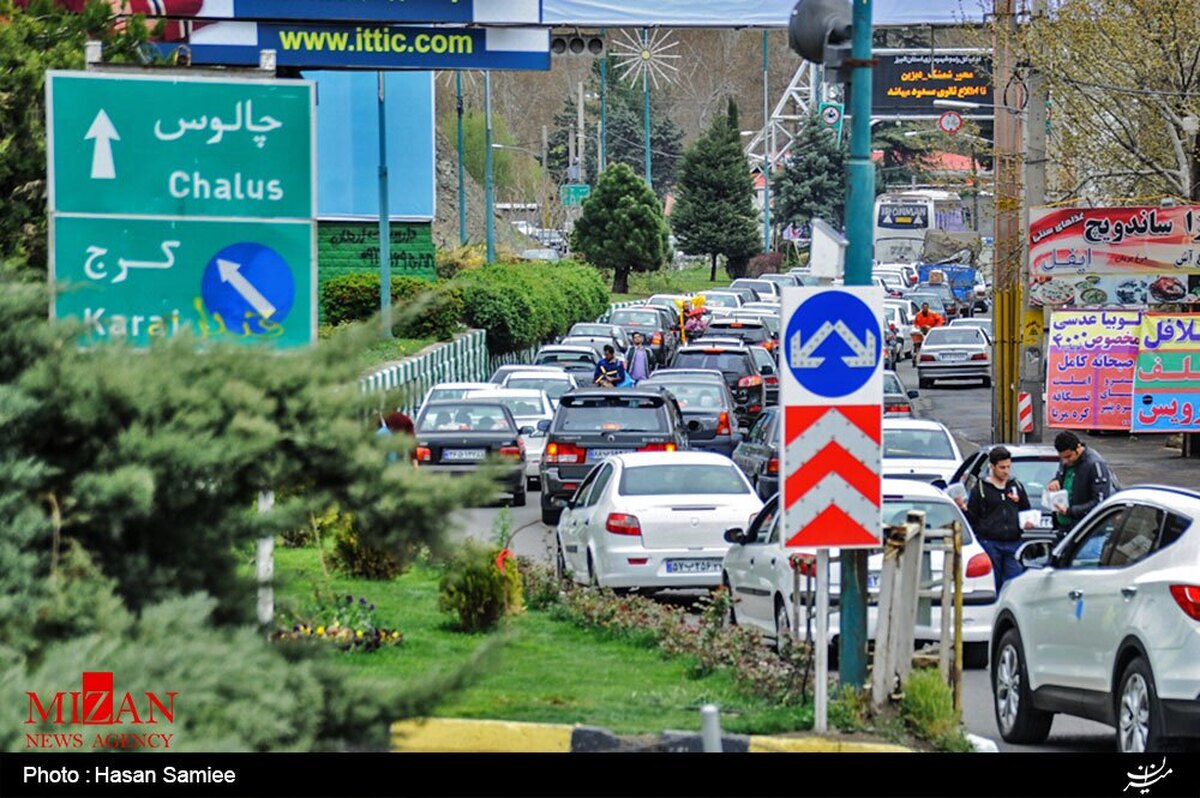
{"type": "Point", "coordinates": [902, 217]}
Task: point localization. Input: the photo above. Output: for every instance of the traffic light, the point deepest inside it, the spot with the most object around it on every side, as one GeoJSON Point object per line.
{"type": "Point", "coordinates": [819, 31]}
{"type": "Point", "coordinates": [577, 44]}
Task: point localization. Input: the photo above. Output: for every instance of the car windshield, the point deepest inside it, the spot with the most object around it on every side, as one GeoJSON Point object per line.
{"type": "Point", "coordinates": [917, 444]}
{"type": "Point", "coordinates": [697, 396]}
{"type": "Point", "coordinates": [953, 336]}
{"type": "Point", "coordinates": [611, 414]}
{"type": "Point", "coordinates": [466, 418]}
{"type": "Point", "coordinates": [635, 318]}
{"type": "Point", "coordinates": [1034, 475]}
{"type": "Point", "coordinates": [724, 362]}
{"type": "Point", "coordinates": [935, 302]}
{"type": "Point", "coordinates": [939, 515]}
{"type": "Point", "coordinates": [891, 383]}
{"type": "Point", "coordinates": [565, 357]}
{"type": "Point", "coordinates": [696, 479]}
{"type": "Point", "coordinates": [721, 300]}
{"type": "Point", "coordinates": [553, 388]}
{"type": "Point", "coordinates": [438, 394]}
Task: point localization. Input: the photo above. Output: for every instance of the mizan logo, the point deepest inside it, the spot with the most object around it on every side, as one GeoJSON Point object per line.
{"type": "Point", "coordinates": [97, 704]}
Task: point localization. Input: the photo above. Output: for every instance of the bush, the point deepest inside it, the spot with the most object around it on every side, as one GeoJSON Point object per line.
{"type": "Point", "coordinates": [354, 556]}
{"type": "Point", "coordinates": [928, 710]}
{"type": "Point", "coordinates": [435, 313]}
{"type": "Point", "coordinates": [474, 588]}
{"type": "Point", "coordinates": [766, 263]}
{"type": "Point", "coordinates": [422, 309]}
{"type": "Point", "coordinates": [466, 256]}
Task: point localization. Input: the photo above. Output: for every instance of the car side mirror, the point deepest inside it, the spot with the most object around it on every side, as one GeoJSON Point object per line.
{"type": "Point", "coordinates": [765, 369]}
{"type": "Point", "coordinates": [735, 535]}
{"type": "Point", "coordinates": [526, 430]}
{"type": "Point", "coordinates": [1035, 554]}
{"type": "Point", "coordinates": [544, 425]}
{"type": "Point", "coordinates": [570, 503]}
{"type": "Point", "coordinates": [913, 393]}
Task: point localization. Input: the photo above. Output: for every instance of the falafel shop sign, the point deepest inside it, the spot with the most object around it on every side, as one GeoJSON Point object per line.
{"type": "Point", "coordinates": [1114, 256]}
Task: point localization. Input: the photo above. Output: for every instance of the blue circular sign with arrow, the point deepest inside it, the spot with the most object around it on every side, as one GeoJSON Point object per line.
{"type": "Point", "coordinates": [833, 344]}
{"type": "Point", "coordinates": [250, 287]}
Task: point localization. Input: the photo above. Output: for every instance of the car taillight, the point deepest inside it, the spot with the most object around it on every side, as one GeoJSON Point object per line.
{"type": "Point", "coordinates": [658, 447]}
{"type": "Point", "coordinates": [979, 356]}
{"type": "Point", "coordinates": [623, 524]}
{"type": "Point", "coordinates": [927, 358]}
{"type": "Point", "coordinates": [750, 381]}
{"type": "Point", "coordinates": [753, 408]}
{"type": "Point", "coordinates": [1188, 599]}
{"type": "Point", "coordinates": [897, 409]}
{"type": "Point", "coordinates": [773, 465]}
{"type": "Point", "coordinates": [656, 339]}
{"type": "Point", "coordinates": [979, 565]}
{"type": "Point", "coordinates": [564, 453]}
{"type": "Point", "coordinates": [771, 380]}
{"type": "Point", "coordinates": [515, 452]}
{"type": "Point", "coordinates": [723, 427]}
{"type": "Point", "coordinates": [423, 454]}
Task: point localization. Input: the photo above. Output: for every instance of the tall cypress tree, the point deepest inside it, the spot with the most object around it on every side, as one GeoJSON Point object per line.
{"type": "Point", "coordinates": [714, 207]}
{"type": "Point", "coordinates": [813, 184]}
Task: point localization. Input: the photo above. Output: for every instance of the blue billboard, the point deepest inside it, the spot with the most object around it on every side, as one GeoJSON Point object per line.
{"type": "Point", "coordinates": [463, 12]}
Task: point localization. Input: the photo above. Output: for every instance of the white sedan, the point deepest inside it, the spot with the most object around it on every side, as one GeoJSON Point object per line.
{"type": "Point", "coordinates": [758, 574]}
{"type": "Point", "coordinates": [919, 449]}
{"type": "Point", "coordinates": [654, 520]}
{"type": "Point", "coordinates": [555, 382]}
{"type": "Point", "coordinates": [529, 407]}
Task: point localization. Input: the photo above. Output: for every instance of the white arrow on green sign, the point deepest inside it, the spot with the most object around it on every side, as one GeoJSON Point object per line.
{"type": "Point", "coordinates": [183, 203]}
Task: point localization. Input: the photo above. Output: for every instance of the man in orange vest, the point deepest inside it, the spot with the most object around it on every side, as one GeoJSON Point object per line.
{"type": "Point", "coordinates": [927, 318]}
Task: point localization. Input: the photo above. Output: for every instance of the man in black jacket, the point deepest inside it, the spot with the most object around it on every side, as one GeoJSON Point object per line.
{"type": "Point", "coordinates": [994, 512]}
{"type": "Point", "coordinates": [1084, 475]}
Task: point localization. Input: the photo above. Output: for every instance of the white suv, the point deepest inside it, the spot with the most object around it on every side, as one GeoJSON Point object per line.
{"type": "Point", "coordinates": [1106, 625]}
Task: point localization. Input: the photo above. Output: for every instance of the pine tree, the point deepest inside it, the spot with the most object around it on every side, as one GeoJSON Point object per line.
{"type": "Point", "coordinates": [622, 227]}
{"type": "Point", "coordinates": [813, 183]}
{"type": "Point", "coordinates": [714, 208]}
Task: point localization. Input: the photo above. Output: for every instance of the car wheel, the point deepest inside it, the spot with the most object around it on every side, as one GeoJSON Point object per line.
{"type": "Point", "coordinates": [987, 382]}
{"type": "Point", "coordinates": [1016, 717]}
{"type": "Point", "coordinates": [975, 655]}
{"type": "Point", "coordinates": [1139, 716]}
{"type": "Point", "coordinates": [783, 628]}
{"type": "Point", "coordinates": [532, 484]}
{"type": "Point", "coordinates": [520, 497]}
{"type": "Point", "coordinates": [923, 382]}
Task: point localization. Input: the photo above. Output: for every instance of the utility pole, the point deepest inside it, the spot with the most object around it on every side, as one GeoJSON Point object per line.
{"type": "Point", "coordinates": [766, 149]}
{"type": "Point", "coordinates": [489, 183]}
{"type": "Point", "coordinates": [1008, 244]}
{"type": "Point", "coordinates": [385, 233]}
{"type": "Point", "coordinates": [646, 110]}
{"type": "Point", "coordinates": [545, 177]}
{"type": "Point", "coordinates": [581, 146]}
{"type": "Point", "coordinates": [1033, 369]}
{"type": "Point", "coordinates": [462, 183]}
{"type": "Point", "coordinates": [860, 252]}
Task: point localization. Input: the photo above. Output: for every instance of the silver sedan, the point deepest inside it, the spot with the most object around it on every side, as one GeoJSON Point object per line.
{"type": "Point", "coordinates": [954, 353]}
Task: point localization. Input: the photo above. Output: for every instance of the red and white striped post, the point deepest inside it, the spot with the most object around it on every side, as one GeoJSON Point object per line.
{"type": "Point", "coordinates": [1024, 413]}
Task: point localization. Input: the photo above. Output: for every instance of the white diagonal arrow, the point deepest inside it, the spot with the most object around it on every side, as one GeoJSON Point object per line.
{"type": "Point", "coordinates": [801, 355]}
{"type": "Point", "coordinates": [104, 134]}
{"type": "Point", "coordinates": [230, 274]}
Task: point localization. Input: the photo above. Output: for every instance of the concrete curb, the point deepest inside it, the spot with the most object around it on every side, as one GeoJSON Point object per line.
{"type": "Point", "coordinates": [461, 735]}
{"type": "Point", "coordinates": [983, 745]}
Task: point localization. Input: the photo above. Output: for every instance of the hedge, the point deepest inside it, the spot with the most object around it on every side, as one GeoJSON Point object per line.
{"type": "Point", "coordinates": [422, 310]}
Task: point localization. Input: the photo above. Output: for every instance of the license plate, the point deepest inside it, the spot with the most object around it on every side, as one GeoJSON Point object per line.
{"type": "Point", "coordinates": [954, 356]}
{"type": "Point", "coordinates": [463, 454]}
{"type": "Point", "coordinates": [600, 454]}
{"type": "Point", "coordinates": [872, 581]}
{"type": "Point", "coordinates": [1047, 522]}
{"type": "Point", "coordinates": [693, 566]}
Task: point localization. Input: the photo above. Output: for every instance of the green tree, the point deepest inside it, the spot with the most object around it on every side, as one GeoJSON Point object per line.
{"type": "Point", "coordinates": [813, 183]}
{"type": "Point", "coordinates": [513, 171]}
{"type": "Point", "coordinates": [622, 227]}
{"type": "Point", "coordinates": [906, 159]}
{"type": "Point", "coordinates": [714, 207]}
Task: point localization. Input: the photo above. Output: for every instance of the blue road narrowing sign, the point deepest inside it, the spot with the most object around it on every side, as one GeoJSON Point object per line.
{"type": "Point", "coordinates": [833, 343]}
{"type": "Point", "coordinates": [249, 286]}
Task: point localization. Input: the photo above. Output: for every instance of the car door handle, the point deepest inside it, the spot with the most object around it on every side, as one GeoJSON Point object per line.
{"type": "Point", "coordinates": [752, 561]}
{"type": "Point", "coordinates": [1129, 592]}
{"type": "Point", "coordinates": [1075, 595]}
{"type": "Point", "coordinates": [772, 561]}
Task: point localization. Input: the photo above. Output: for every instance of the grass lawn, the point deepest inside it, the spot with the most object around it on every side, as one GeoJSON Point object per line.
{"type": "Point", "coordinates": [551, 672]}
{"type": "Point", "coordinates": [691, 279]}
{"type": "Point", "coordinates": [380, 352]}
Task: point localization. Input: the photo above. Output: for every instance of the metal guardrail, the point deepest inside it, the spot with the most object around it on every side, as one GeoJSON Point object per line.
{"type": "Point", "coordinates": [465, 359]}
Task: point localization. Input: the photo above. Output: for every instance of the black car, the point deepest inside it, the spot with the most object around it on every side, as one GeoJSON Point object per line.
{"type": "Point", "coordinates": [456, 437]}
{"type": "Point", "coordinates": [758, 454]}
{"type": "Point", "coordinates": [660, 332]}
{"type": "Point", "coordinates": [594, 423]}
{"type": "Point", "coordinates": [770, 373]}
{"type": "Point", "coordinates": [1033, 464]}
{"type": "Point", "coordinates": [741, 372]}
{"type": "Point", "coordinates": [955, 307]}
{"type": "Point", "coordinates": [707, 408]}
{"type": "Point", "coordinates": [751, 332]}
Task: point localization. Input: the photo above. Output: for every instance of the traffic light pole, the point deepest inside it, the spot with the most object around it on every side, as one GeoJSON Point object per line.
{"type": "Point", "coordinates": [860, 204]}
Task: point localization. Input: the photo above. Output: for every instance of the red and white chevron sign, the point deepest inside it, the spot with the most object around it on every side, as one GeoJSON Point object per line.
{"type": "Point", "coordinates": [831, 381]}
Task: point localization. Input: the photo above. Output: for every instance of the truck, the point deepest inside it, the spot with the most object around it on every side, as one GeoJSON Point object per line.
{"type": "Point", "coordinates": [960, 278]}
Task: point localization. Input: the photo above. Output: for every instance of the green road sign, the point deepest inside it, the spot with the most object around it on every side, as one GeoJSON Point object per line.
{"type": "Point", "coordinates": [574, 193]}
{"type": "Point", "coordinates": [186, 200]}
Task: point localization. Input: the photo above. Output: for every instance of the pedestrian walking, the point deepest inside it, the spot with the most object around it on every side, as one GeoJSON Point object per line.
{"type": "Point", "coordinates": [637, 359]}
{"type": "Point", "coordinates": [1084, 475]}
{"type": "Point", "coordinates": [397, 423]}
{"type": "Point", "coordinates": [994, 509]}
{"type": "Point", "coordinates": [610, 372]}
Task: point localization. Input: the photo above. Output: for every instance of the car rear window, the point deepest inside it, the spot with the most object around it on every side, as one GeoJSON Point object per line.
{"type": "Point", "coordinates": [724, 362]}
{"type": "Point", "coordinates": [891, 384]}
{"type": "Point", "coordinates": [466, 418]}
{"type": "Point", "coordinates": [565, 357]}
{"type": "Point", "coordinates": [721, 300]}
{"type": "Point", "coordinates": [553, 388]}
{"type": "Point", "coordinates": [611, 414]}
{"type": "Point", "coordinates": [522, 407]}
{"type": "Point", "coordinates": [1035, 475]}
{"type": "Point", "coordinates": [438, 394]}
{"type": "Point", "coordinates": [697, 395]}
{"type": "Point", "coordinates": [637, 318]}
{"type": "Point", "coordinates": [917, 444]}
{"type": "Point", "coordinates": [754, 334]}
{"type": "Point", "coordinates": [601, 330]}
{"type": "Point", "coordinates": [939, 516]}
{"type": "Point", "coordinates": [953, 336]}
{"type": "Point", "coordinates": [695, 479]}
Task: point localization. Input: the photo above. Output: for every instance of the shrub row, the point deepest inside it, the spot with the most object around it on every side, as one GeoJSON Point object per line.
{"type": "Point", "coordinates": [519, 304]}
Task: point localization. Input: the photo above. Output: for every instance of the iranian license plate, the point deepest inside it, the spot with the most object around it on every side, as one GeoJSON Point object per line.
{"type": "Point", "coordinates": [954, 356]}
{"type": "Point", "coordinates": [459, 455]}
{"type": "Point", "coordinates": [693, 566]}
{"type": "Point", "coordinates": [600, 454]}
{"type": "Point", "coordinates": [1047, 522]}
